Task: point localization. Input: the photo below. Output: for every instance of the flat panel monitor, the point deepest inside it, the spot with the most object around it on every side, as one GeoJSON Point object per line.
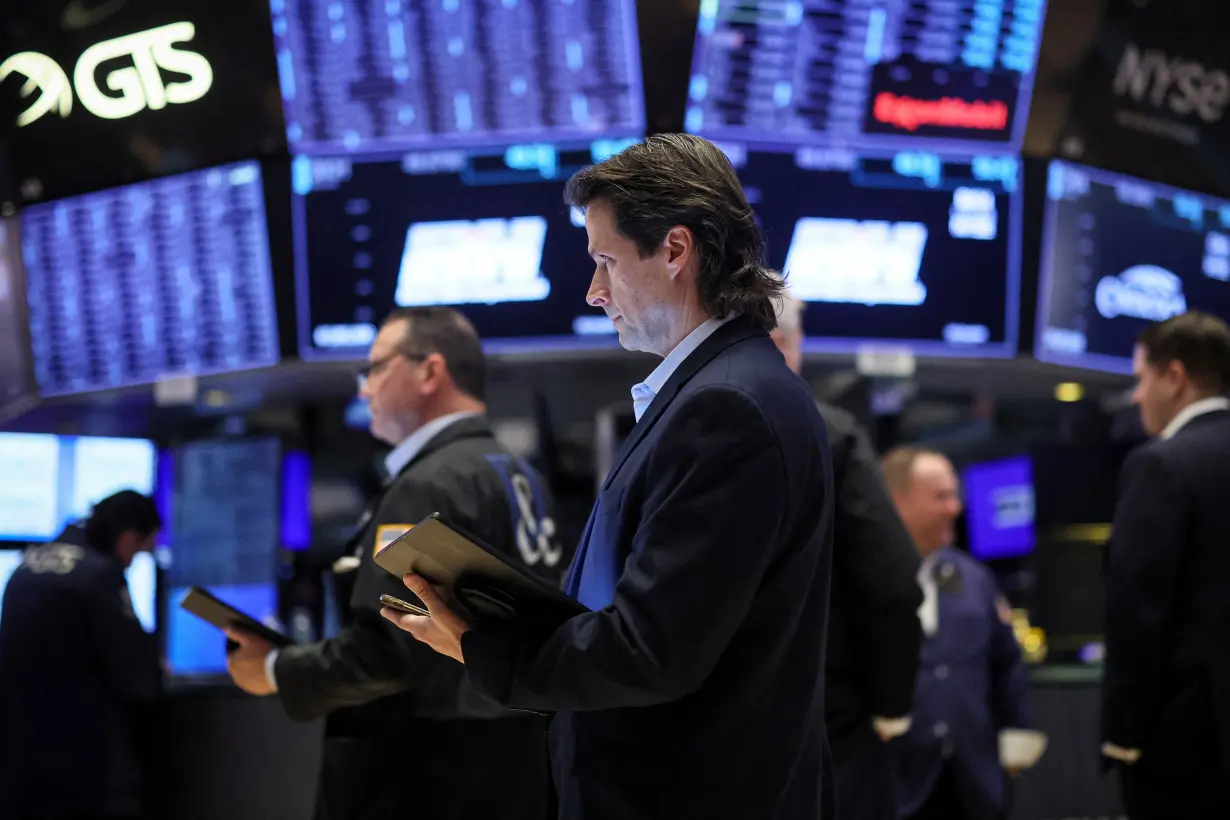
{"type": "Point", "coordinates": [950, 73]}
{"type": "Point", "coordinates": [52, 481]}
{"type": "Point", "coordinates": [167, 277]}
{"type": "Point", "coordinates": [99, 94]}
{"type": "Point", "coordinates": [16, 376]}
{"type": "Point", "coordinates": [999, 508]}
{"type": "Point", "coordinates": [415, 74]}
{"type": "Point", "coordinates": [1118, 254]}
{"type": "Point", "coordinates": [908, 248]}
{"type": "Point", "coordinates": [226, 526]}
{"type": "Point", "coordinates": [488, 233]}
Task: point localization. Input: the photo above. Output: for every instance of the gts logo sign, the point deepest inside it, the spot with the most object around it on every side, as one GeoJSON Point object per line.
{"type": "Point", "coordinates": [133, 88]}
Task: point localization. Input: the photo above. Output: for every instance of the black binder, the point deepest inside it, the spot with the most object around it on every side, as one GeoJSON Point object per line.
{"type": "Point", "coordinates": [476, 581]}
{"type": "Point", "coordinates": [224, 616]}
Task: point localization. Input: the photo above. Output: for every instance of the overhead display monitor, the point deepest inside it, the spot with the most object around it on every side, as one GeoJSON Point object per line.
{"type": "Point", "coordinates": [16, 380]}
{"type": "Point", "coordinates": [409, 74]}
{"type": "Point", "coordinates": [224, 533]}
{"type": "Point", "coordinates": [488, 233]}
{"type": "Point", "coordinates": [999, 508]}
{"type": "Point", "coordinates": [1118, 254]}
{"type": "Point", "coordinates": [162, 278]}
{"type": "Point", "coordinates": [907, 248]}
{"type": "Point", "coordinates": [953, 74]}
{"type": "Point", "coordinates": [56, 480]}
{"type": "Point", "coordinates": [99, 94]}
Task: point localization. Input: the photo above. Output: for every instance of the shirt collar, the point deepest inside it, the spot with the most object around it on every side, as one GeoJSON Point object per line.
{"type": "Point", "coordinates": [405, 452]}
{"type": "Point", "coordinates": [643, 394]}
{"type": "Point", "coordinates": [1191, 411]}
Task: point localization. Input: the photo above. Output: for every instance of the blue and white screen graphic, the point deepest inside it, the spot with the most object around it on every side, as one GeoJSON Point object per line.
{"type": "Point", "coordinates": [53, 481]}
{"type": "Point", "coordinates": [163, 278]}
{"type": "Point", "coordinates": [386, 75]}
{"type": "Point", "coordinates": [902, 247]}
{"type": "Point", "coordinates": [956, 74]}
{"type": "Point", "coordinates": [485, 231]}
{"type": "Point", "coordinates": [1119, 253]}
{"type": "Point", "coordinates": [999, 508]}
{"type": "Point", "coordinates": [479, 261]}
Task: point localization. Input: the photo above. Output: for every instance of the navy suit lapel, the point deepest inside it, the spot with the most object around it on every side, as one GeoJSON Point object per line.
{"type": "Point", "coordinates": [734, 331]}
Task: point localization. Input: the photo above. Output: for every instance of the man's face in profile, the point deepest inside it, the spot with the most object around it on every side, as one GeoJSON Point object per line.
{"type": "Point", "coordinates": [627, 287]}
{"type": "Point", "coordinates": [930, 503]}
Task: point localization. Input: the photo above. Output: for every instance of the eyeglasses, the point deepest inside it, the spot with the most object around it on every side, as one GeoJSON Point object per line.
{"type": "Point", "coordinates": [372, 368]}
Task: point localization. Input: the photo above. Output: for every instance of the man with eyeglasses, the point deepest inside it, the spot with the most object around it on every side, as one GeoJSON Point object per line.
{"type": "Point", "coordinates": [385, 695]}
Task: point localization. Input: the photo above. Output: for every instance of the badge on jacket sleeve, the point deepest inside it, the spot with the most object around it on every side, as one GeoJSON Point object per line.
{"type": "Point", "coordinates": [387, 534]}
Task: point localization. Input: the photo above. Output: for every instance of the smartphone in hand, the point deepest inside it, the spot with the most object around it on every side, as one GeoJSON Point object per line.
{"type": "Point", "coordinates": [403, 606]}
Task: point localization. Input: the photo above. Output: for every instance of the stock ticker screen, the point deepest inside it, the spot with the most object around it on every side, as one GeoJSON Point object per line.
{"type": "Point", "coordinates": [488, 233]}
{"type": "Point", "coordinates": [412, 74]}
{"type": "Point", "coordinates": [871, 72]}
{"type": "Point", "coordinates": [1119, 253]}
{"type": "Point", "coordinates": [225, 530]}
{"type": "Point", "coordinates": [903, 247]}
{"type": "Point", "coordinates": [160, 278]}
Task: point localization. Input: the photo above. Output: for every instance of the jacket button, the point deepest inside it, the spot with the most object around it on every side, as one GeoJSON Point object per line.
{"type": "Point", "coordinates": [941, 729]}
{"type": "Point", "coordinates": [941, 672]}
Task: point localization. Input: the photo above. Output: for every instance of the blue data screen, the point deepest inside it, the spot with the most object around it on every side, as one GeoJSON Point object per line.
{"type": "Point", "coordinates": [160, 278]}
{"type": "Point", "coordinates": [1119, 253]}
{"type": "Point", "coordinates": [363, 76]}
{"type": "Point", "coordinates": [906, 247]}
{"type": "Point", "coordinates": [954, 73]}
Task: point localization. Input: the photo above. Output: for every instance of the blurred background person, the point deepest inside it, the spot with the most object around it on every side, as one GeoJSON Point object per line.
{"type": "Point", "coordinates": [1166, 691]}
{"type": "Point", "coordinates": [972, 682]}
{"type": "Point", "coordinates": [75, 668]}
{"type": "Point", "coordinates": [385, 694]}
{"type": "Point", "coordinates": [874, 632]}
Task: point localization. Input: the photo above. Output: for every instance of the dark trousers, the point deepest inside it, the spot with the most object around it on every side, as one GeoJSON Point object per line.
{"type": "Point", "coordinates": [1166, 790]}
{"type": "Point", "coordinates": [864, 786]}
{"type": "Point", "coordinates": [945, 801]}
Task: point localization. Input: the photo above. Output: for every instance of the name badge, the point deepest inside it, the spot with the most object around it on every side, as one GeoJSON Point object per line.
{"type": "Point", "coordinates": [389, 533]}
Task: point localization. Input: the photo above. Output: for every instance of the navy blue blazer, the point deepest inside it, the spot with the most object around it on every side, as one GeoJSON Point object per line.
{"type": "Point", "coordinates": [695, 687]}
{"type": "Point", "coordinates": [971, 684]}
{"type": "Point", "coordinates": [1167, 678]}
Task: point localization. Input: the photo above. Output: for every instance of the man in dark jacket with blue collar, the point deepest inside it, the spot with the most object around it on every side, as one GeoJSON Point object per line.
{"type": "Point", "coordinates": [406, 736]}
{"type": "Point", "coordinates": [75, 664]}
{"type": "Point", "coordinates": [695, 686]}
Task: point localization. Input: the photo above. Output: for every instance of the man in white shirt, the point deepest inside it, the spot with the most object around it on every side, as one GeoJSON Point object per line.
{"type": "Point", "coordinates": [1166, 692]}
{"type": "Point", "coordinates": [972, 683]}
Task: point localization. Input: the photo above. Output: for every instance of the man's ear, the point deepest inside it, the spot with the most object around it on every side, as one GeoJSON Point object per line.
{"type": "Point", "coordinates": [680, 248]}
{"type": "Point", "coordinates": [435, 373]}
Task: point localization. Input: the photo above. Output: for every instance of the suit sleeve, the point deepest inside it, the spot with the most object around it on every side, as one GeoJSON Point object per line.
{"type": "Point", "coordinates": [696, 562]}
{"type": "Point", "coordinates": [1146, 550]}
{"type": "Point", "coordinates": [370, 658]}
{"type": "Point", "coordinates": [129, 653]}
{"type": "Point", "coordinates": [1009, 676]}
{"type": "Point", "coordinates": [876, 560]}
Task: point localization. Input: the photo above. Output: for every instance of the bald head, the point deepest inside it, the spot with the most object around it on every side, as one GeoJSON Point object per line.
{"type": "Point", "coordinates": [924, 487]}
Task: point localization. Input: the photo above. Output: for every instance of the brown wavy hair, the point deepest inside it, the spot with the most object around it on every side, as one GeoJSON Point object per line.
{"type": "Point", "coordinates": [672, 180]}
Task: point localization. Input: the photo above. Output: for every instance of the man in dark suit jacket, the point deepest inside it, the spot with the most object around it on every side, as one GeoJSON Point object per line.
{"type": "Point", "coordinates": [387, 696]}
{"type": "Point", "coordinates": [1166, 695]}
{"type": "Point", "coordinates": [77, 670]}
{"type": "Point", "coordinates": [874, 632]}
{"type": "Point", "coordinates": [694, 688]}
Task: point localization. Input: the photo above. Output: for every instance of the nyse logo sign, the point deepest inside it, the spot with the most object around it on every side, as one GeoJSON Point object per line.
{"type": "Point", "coordinates": [134, 87]}
{"type": "Point", "coordinates": [1172, 83]}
